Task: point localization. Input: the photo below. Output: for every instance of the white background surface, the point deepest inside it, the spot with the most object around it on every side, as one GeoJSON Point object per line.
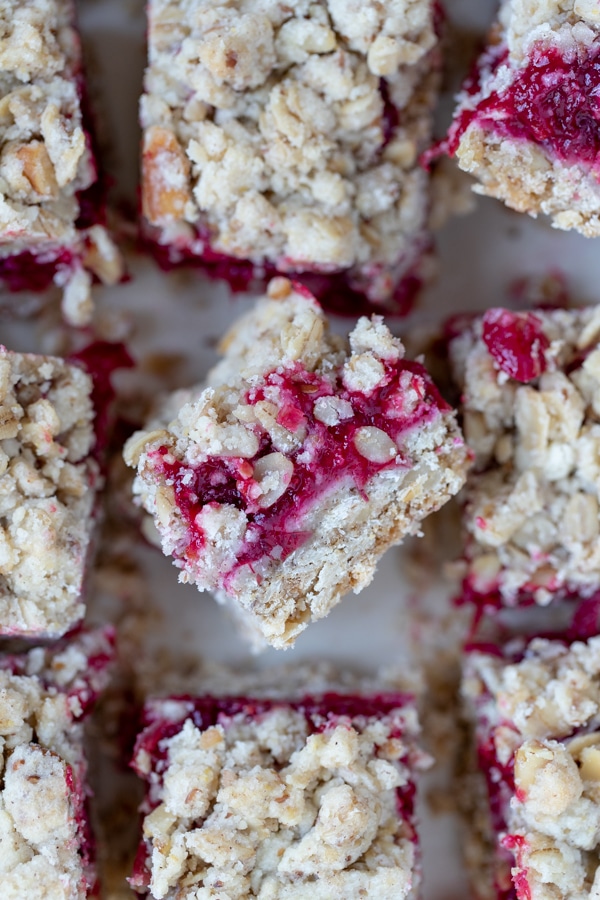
{"type": "Point", "coordinates": [182, 314]}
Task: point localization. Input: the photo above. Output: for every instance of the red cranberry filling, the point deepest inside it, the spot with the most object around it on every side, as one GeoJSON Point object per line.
{"type": "Point", "coordinates": [327, 455]}
{"type": "Point", "coordinates": [101, 359]}
{"type": "Point", "coordinates": [30, 271]}
{"type": "Point", "coordinates": [553, 102]}
{"type": "Point", "coordinates": [75, 780]}
{"type": "Point", "coordinates": [517, 343]}
{"type": "Point", "coordinates": [333, 290]}
{"type": "Point", "coordinates": [500, 788]}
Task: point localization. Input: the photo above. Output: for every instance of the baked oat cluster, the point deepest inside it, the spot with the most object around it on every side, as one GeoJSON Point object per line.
{"type": "Point", "coordinates": [530, 386]}
{"type": "Point", "coordinates": [48, 484]}
{"type": "Point", "coordinates": [536, 715]}
{"type": "Point", "coordinates": [255, 798]}
{"type": "Point", "coordinates": [281, 483]}
{"type": "Point", "coordinates": [287, 135]}
{"type": "Point", "coordinates": [526, 125]}
{"type": "Point", "coordinates": [44, 832]}
{"type": "Point", "coordinates": [48, 230]}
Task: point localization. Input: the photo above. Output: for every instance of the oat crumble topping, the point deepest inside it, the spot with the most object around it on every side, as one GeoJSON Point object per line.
{"type": "Point", "coordinates": [48, 483]}
{"type": "Point", "coordinates": [541, 715]}
{"type": "Point", "coordinates": [532, 514]}
{"type": "Point", "coordinates": [282, 482]}
{"type": "Point", "coordinates": [279, 802]}
{"type": "Point", "coordinates": [45, 156]}
{"type": "Point", "coordinates": [269, 134]}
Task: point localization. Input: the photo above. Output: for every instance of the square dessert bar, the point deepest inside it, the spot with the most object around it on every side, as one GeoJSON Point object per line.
{"type": "Point", "coordinates": [48, 484]}
{"type": "Point", "coordinates": [280, 484]}
{"type": "Point", "coordinates": [284, 138]}
{"type": "Point", "coordinates": [279, 799]}
{"type": "Point", "coordinates": [46, 845]}
{"type": "Point", "coordinates": [530, 385]}
{"type": "Point", "coordinates": [527, 124]}
{"type": "Point", "coordinates": [51, 209]}
{"type": "Point", "coordinates": [534, 712]}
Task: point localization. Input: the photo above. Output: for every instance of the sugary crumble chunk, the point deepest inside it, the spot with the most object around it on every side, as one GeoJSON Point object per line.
{"type": "Point", "coordinates": [526, 125]}
{"type": "Point", "coordinates": [529, 383]}
{"type": "Point", "coordinates": [274, 799]}
{"type": "Point", "coordinates": [287, 135]}
{"type": "Point", "coordinates": [45, 847]}
{"type": "Point", "coordinates": [535, 712]}
{"type": "Point", "coordinates": [48, 484]}
{"type": "Point", "coordinates": [280, 484]}
{"type": "Point", "coordinates": [48, 229]}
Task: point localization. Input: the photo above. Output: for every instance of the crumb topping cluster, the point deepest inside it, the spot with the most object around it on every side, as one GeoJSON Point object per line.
{"type": "Point", "coordinates": [526, 125]}
{"type": "Point", "coordinates": [42, 816]}
{"type": "Point", "coordinates": [279, 802]}
{"type": "Point", "coordinates": [45, 156]}
{"type": "Point", "coordinates": [542, 714]}
{"type": "Point", "coordinates": [530, 392]}
{"type": "Point", "coordinates": [48, 483]}
{"type": "Point", "coordinates": [290, 133]}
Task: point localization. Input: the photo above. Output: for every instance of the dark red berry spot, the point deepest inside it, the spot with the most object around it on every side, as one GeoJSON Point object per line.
{"type": "Point", "coordinates": [516, 342]}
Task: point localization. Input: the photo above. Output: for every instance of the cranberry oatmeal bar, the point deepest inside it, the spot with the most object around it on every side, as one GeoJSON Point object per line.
{"type": "Point", "coordinates": [535, 714]}
{"type": "Point", "coordinates": [46, 846]}
{"type": "Point", "coordinates": [48, 484]}
{"type": "Point", "coordinates": [527, 124]}
{"type": "Point", "coordinates": [275, 798]}
{"type": "Point", "coordinates": [281, 484]}
{"type": "Point", "coordinates": [51, 214]}
{"type": "Point", "coordinates": [284, 137]}
{"type": "Point", "coordinates": [530, 386]}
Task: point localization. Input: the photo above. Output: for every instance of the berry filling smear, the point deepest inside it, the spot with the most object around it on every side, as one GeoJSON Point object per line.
{"type": "Point", "coordinates": [366, 439]}
{"type": "Point", "coordinates": [554, 102]}
{"type": "Point", "coordinates": [516, 342]}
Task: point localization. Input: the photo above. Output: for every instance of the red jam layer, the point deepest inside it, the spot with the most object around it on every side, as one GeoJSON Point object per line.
{"type": "Point", "coordinates": [500, 784]}
{"type": "Point", "coordinates": [101, 359]}
{"type": "Point", "coordinates": [553, 102]}
{"type": "Point", "coordinates": [30, 271]}
{"type": "Point", "coordinates": [322, 713]}
{"type": "Point", "coordinates": [326, 456]}
{"type": "Point", "coordinates": [517, 343]}
{"type": "Point", "coordinates": [207, 711]}
{"type": "Point", "coordinates": [333, 290]}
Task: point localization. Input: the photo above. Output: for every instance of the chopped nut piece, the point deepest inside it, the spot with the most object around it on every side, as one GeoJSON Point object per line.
{"type": "Point", "coordinates": [38, 168]}
{"type": "Point", "coordinates": [165, 173]}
